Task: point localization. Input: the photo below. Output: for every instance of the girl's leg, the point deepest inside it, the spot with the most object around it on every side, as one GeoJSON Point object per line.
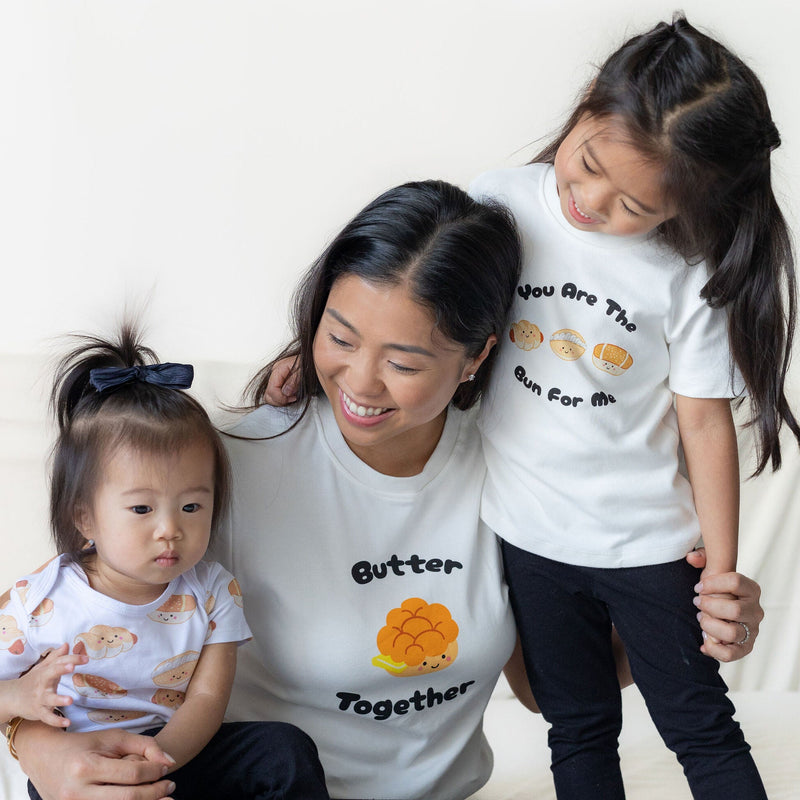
{"type": "Point", "coordinates": [253, 761]}
{"type": "Point", "coordinates": [566, 640]}
{"type": "Point", "coordinates": [653, 612]}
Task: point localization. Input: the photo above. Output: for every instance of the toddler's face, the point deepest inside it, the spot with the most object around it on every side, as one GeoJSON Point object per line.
{"type": "Point", "coordinates": [604, 184]}
{"type": "Point", "coordinates": [150, 520]}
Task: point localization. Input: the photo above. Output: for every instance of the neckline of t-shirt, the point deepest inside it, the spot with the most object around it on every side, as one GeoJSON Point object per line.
{"type": "Point", "coordinates": [75, 575]}
{"type": "Point", "coordinates": [348, 461]}
{"type": "Point", "coordinates": [548, 192]}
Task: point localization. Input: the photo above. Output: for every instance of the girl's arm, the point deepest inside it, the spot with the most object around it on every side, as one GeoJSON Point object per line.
{"type": "Point", "coordinates": [708, 436]}
{"type": "Point", "coordinates": [191, 727]}
{"type": "Point", "coordinates": [34, 695]}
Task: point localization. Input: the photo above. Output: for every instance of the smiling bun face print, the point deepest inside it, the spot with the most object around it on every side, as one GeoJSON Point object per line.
{"type": "Point", "coordinates": [104, 641]}
{"type": "Point", "coordinates": [96, 686]}
{"type": "Point", "coordinates": [177, 609]}
{"type": "Point", "coordinates": [42, 614]}
{"type": "Point", "coordinates": [176, 672]}
{"type": "Point", "coordinates": [611, 359]}
{"type": "Point", "coordinates": [169, 698]}
{"type": "Point", "coordinates": [525, 335]}
{"type": "Point", "coordinates": [11, 637]}
{"type": "Point", "coordinates": [567, 344]}
{"type": "Point", "coordinates": [111, 716]}
{"type": "Point", "coordinates": [417, 639]}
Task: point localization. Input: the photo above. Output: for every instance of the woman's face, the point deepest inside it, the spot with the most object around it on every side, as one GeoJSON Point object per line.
{"type": "Point", "coordinates": [388, 372]}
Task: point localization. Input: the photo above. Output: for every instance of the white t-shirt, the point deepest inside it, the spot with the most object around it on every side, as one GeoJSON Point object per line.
{"type": "Point", "coordinates": [141, 658]}
{"type": "Point", "coordinates": [579, 426]}
{"type": "Point", "coordinates": [335, 557]}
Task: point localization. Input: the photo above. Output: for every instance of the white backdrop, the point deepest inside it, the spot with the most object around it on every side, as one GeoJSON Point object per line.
{"type": "Point", "coordinates": [194, 156]}
{"type": "Point", "coordinates": [202, 152]}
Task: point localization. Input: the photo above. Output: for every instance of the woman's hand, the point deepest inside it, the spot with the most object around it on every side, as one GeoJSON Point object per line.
{"type": "Point", "coordinates": [729, 611]}
{"type": "Point", "coordinates": [282, 385]}
{"type": "Point", "coordinates": [101, 765]}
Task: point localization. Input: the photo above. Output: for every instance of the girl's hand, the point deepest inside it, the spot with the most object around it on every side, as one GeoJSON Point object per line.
{"type": "Point", "coordinates": [36, 691]}
{"type": "Point", "coordinates": [100, 765]}
{"type": "Point", "coordinates": [729, 611]}
{"type": "Point", "coordinates": [282, 386]}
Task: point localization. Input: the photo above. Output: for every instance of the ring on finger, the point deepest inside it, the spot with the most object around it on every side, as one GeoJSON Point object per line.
{"type": "Point", "coordinates": [746, 638]}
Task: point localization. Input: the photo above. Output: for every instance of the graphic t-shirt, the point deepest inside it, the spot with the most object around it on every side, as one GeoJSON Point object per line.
{"type": "Point", "coordinates": [378, 607]}
{"type": "Point", "coordinates": [579, 426]}
{"type": "Point", "coordinates": [141, 658]}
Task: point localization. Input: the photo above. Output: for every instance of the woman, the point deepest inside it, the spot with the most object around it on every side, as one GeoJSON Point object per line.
{"type": "Point", "coordinates": [375, 594]}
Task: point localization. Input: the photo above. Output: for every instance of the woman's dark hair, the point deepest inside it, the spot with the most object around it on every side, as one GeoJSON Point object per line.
{"type": "Point", "coordinates": [690, 105]}
{"type": "Point", "coordinates": [92, 425]}
{"type": "Point", "coordinates": [459, 258]}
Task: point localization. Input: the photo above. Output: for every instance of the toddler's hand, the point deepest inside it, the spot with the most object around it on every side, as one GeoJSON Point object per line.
{"type": "Point", "coordinates": [36, 691]}
{"type": "Point", "coordinates": [283, 382]}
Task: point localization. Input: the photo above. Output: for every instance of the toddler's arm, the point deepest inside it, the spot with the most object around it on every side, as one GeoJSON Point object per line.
{"type": "Point", "coordinates": [191, 727]}
{"type": "Point", "coordinates": [709, 444]}
{"type": "Point", "coordinates": [34, 695]}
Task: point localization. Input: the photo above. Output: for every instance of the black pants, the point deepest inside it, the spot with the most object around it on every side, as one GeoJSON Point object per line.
{"type": "Point", "coordinates": [564, 615]}
{"type": "Point", "coordinates": [249, 761]}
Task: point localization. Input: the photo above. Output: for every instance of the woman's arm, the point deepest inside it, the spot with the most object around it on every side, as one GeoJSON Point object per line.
{"type": "Point", "coordinates": [708, 436]}
{"type": "Point", "coordinates": [191, 727]}
{"type": "Point", "coordinates": [92, 766]}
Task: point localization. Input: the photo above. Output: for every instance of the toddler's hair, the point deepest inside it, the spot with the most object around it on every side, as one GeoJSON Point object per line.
{"type": "Point", "coordinates": [691, 106]}
{"type": "Point", "coordinates": [92, 425]}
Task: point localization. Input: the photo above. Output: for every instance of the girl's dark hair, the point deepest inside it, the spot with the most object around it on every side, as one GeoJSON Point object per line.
{"type": "Point", "coordinates": [690, 105]}
{"type": "Point", "coordinates": [92, 425]}
{"type": "Point", "coordinates": [459, 258]}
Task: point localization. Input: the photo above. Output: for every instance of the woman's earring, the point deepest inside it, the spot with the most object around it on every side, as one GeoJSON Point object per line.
{"type": "Point", "coordinates": [472, 377]}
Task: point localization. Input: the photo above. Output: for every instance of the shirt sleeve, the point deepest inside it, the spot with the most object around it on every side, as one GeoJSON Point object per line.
{"type": "Point", "coordinates": [226, 607]}
{"type": "Point", "coordinates": [701, 364]}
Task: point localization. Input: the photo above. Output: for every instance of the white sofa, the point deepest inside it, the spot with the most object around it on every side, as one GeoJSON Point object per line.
{"type": "Point", "coordinates": [765, 686]}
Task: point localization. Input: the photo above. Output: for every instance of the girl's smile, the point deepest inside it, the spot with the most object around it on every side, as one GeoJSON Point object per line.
{"type": "Point", "coordinates": [605, 184]}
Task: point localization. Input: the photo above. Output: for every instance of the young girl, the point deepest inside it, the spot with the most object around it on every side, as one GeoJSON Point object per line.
{"type": "Point", "coordinates": [131, 628]}
{"type": "Point", "coordinates": [655, 251]}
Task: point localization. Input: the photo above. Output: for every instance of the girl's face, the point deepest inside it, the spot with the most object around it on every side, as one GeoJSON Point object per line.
{"type": "Point", "coordinates": [604, 184]}
{"type": "Point", "coordinates": [388, 373]}
{"type": "Point", "coordinates": [150, 520]}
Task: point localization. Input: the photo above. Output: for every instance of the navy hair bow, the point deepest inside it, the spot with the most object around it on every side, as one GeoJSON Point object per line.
{"type": "Point", "coordinates": [170, 376]}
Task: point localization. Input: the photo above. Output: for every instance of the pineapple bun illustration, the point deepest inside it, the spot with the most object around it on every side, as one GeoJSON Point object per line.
{"type": "Point", "coordinates": [417, 639]}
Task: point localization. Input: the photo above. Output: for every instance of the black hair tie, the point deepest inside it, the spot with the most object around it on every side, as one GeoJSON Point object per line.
{"type": "Point", "coordinates": [169, 376]}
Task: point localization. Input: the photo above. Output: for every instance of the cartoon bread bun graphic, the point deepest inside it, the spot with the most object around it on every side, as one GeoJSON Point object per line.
{"type": "Point", "coordinates": [170, 698]}
{"type": "Point", "coordinates": [42, 614]}
{"type": "Point", "coordinates": [110, 716]}
{"type": "Point", "coordinates": [210, 602]}
{"type": "Point", "coordinates": [11, 637]}
{"type": "Point", "coordinates": [611, 359]}
{"type": "Point", "coordinates": [176, 671]}
{"type": "Point", "coordinates": [178, 608]}
{"type": "Point", "coordinates": [526, 335]}
{"type": "Point", "coordinates": [417, 639]}
{"type": "Point", "coordinates": [95, 686]}
{"type": "Point", "coordinates": [104, 641]}
{"type": "Point", "coordinates": [568, 344]}
{"type": "Point", "coordinates": [236, 592]}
